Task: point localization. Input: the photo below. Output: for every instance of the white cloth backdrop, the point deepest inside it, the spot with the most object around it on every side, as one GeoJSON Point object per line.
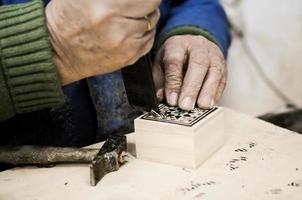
{"type": "Point", "coordinates": [273, 29]}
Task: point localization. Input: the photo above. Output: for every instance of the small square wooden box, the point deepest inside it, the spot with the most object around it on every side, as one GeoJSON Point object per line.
{"type": "Point", "coordinates": [186, 145]}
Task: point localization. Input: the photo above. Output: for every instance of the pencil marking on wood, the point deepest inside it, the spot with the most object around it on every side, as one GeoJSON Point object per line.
{"type": "Point", "coordinates": [274, 191]}
{"type": "Point", "coordinates": [241, 150]}
{"type": "Point", "coordinates": [252, 145]}
{"type": "Point", "coordinates": [193, 186]}
{"type": "Point", "coordinates": [296, 183]}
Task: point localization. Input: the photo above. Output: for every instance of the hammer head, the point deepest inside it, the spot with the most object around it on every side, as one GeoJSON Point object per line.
{"type": "Point", "coordinates": [109, 158]}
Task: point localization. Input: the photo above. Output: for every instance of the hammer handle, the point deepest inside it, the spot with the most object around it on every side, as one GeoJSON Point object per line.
{"type": "Point", "coordinates": [39, 155]}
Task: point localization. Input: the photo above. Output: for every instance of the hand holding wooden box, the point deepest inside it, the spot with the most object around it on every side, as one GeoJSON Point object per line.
{"type": "Point", "coordinates": [180, 138]}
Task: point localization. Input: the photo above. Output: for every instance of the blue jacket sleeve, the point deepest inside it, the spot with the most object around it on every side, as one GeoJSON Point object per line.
{"type": "Point", "coordinates": [198, 17]}
{"type": "Point", "coordinates": [6, 2]}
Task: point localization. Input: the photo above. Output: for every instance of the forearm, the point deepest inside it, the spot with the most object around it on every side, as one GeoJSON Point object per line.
{"type": "Point", "coordinates": [28, 79]}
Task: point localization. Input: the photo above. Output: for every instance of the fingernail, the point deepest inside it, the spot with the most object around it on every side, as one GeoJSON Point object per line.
{"type": "Point", "coordinates": [206, 102]}
{"type": "Point", "coordinates": [160, 94]}
{"type": "Point", "coordinates": [187, 103]}
{"type": "Point", "coordinates": [172, 99]}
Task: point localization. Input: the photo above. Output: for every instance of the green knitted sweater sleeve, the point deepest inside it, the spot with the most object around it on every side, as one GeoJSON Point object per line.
{"type": "Point", "coordinates": [28, 79]}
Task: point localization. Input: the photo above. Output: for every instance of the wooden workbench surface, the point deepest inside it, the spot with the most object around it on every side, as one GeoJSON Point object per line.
{"type": "Point", "coordinates": [259, 161]}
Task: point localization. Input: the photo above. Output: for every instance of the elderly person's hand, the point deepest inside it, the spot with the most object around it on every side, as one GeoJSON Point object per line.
{"type": "Point", "coordinates": [188, 70]}
{"type": "Point", "coordinates": [92, 37]}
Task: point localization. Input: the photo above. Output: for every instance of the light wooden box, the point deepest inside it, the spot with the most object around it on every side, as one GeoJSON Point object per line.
{"type": "Point", "coordinates": [180, 145]}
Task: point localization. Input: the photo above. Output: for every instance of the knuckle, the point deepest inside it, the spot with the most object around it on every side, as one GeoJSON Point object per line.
{"type": "Point", "coordinates": [172, 59]}
{"type": "Point", "coordinates": [202, 61]}
{"type": "Point", "coordinates": [223, 63]}
{"type": "Point", "coordinates": [172, 40]}
{"type": "Point", "coordinates": [218, 65]}
{"type": "Point", "coordinates": [219, 71]}
{"type": "Point", "coordinates": [173, 80]}
{"type": "Point", "coordinates": [219, 60]}
{"type": "Point", "coordinates": [173, 70]}
{"type": "Point", "coordinates": [173, 76]}
{"type": "Point", "coordinates": [199, 41]}
{"type": "Point", "coordinates": [193, 90]}
{"type": "Point", "coordinates": [214, 47]}
{"type": "Point", "coordinates": [216, 51]}
{"type": "Point", "coordinates": [202, 41]}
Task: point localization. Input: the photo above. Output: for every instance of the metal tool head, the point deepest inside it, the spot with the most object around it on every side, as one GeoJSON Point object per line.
{"type": "Point", "coordinates": [109, 158]}
{"type": "Point", "coordinates": [139, 84]}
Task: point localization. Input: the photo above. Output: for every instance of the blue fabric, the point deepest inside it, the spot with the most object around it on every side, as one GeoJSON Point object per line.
{"type": "Point", "coordinates": [6, 2]}
{"type": "Point", "coordinates": [13, 1]}
{"type": "Point", "coordinates": [105, 94]}
{"type": "Point", "coordinates": [206, 14]}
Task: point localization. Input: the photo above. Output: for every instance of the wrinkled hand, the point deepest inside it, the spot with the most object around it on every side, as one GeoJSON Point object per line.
{"type": "Point", "coordinates": [92, 37]}
{"type": "Point", "coordinates": [188, 70]}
